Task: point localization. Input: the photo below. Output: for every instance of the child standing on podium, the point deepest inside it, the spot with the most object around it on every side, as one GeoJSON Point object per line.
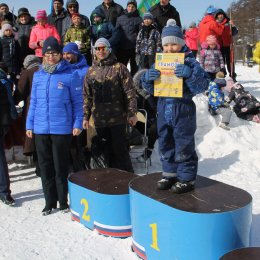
{"type": "Point", "coordinates": [176, 121]}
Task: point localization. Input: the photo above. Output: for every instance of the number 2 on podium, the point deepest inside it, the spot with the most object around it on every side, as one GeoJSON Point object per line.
{"type": "Point", "coordinates": [84, 215]}
{"type": "Point", "coordinates": [154, 244]}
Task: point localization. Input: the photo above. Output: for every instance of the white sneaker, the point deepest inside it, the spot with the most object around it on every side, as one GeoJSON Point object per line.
{"type": "Point", "coordinates": [224, 126]}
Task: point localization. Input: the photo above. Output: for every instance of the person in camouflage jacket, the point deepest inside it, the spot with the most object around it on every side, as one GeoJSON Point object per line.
{"type": "Point", "coordinates": [79, 34]}
{"type": "Point", "coordinates": [110, 97]}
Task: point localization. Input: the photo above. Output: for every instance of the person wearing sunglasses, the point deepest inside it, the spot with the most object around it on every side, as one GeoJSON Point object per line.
{"type": "Point", "coordinates": [55, 115]}
{"type": "Point", "coordinates": [110, 98]}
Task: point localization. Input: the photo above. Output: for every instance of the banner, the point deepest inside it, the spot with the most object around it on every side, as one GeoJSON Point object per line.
{"type": "Point", "coordinates": [145, 5]}
{"type": "Point", "coordinates": [168, 84]}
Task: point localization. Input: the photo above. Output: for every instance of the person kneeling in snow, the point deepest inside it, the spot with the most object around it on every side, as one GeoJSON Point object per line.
{"type": "Point", "coordinates": [176, 121]}
{"type": "Point", "coordinates": [246, 106]}
{"type": "Point", "coordinates": [217, 103]}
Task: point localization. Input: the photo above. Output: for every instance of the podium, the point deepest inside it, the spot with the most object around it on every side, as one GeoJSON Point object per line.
{"type": "Point", "coordinates": [99, 199]}
{"type": "Point", "coordinates": [247, 253]}
{"type": "Point", "coordinates": [203, 224]}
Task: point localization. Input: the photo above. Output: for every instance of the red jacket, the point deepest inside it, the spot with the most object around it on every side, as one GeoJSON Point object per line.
{"type": "Point", "coordinates": [208, 26]}
{"type": "Point", "coordinates": [191, 38]}
{"type": "Point", "coordinates": [40, 33]}
{"type": "Point", "coordinates": [226, 37]}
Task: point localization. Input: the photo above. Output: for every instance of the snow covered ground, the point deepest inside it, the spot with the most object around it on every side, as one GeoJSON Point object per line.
{"type": "Point", "coordinates": [231, 157]}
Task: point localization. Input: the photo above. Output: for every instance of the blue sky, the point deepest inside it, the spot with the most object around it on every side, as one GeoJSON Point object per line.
{"type": "Point", "coordinates": [190, 10]}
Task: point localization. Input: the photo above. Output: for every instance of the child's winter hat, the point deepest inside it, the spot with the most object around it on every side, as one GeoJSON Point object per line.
{"type": "Point", "coordinates": [193, 25]}
{"type": "Point", "coordinates": [72, 48]}
{"type": "Point", "coordinates": [51, 44]}
{"type": "Point", "coordinates": [211, 39]}
{"type": "Point", "coordinates": [41, 14]}
{"type": "Point", "coordinates": [7, 26]}
{"type": "Point", "coordinates": [133, 2]}
{"type": "Point", "coordinates": [75, 15]}
{"type": "Point", "coordinates": [211, 10]}
{"type": "Point", "coordinates": [172, 33]}
{"type": "Point", "coordinates": [220, 79]}
{"type": "Point", "coordinates": [148, 15]}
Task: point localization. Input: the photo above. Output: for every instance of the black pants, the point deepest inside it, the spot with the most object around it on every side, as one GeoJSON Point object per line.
{"type": "Point", "coordinates": [4, 175]}
{"type": "Point", "coordinates": [116, 144]}
{"type": "Point", "coordinates": [225, 51]}
{"type": "Point", "coordinates": [146, 61]}
{"type": "Point", "coordinates": [124, 56]}
{"type": "Point", "coordinates": [77, 152]}
{"type": "Point", "coordinates": [53, 159]}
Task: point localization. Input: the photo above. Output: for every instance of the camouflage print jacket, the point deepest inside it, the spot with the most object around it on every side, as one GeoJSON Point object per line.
{"type": "Point", "coordinates": [81, 34]}
{"type": "Point", "coordinates": [109, 93]}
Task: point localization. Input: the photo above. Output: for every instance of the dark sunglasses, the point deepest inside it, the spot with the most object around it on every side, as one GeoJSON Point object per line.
{"type": "Point", "coordinates": [102, 48]}
{"type": "Point", "coordinates": [72, 6]}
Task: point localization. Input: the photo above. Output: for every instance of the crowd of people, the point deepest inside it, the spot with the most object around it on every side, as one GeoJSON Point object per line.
{"type": "Point", "coordinates": [69, 69]}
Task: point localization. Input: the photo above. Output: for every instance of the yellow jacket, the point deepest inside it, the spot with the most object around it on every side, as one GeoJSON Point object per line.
{"type": "Point", "coordinates": [256, 53]}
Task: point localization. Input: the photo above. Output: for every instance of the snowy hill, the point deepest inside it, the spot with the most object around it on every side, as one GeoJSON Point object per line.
{"type": "Point", "coordinates": [231, 157]}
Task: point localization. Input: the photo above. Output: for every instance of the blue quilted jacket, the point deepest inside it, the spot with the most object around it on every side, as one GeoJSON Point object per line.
{"type": "Point", "coordinates": [56, 101]}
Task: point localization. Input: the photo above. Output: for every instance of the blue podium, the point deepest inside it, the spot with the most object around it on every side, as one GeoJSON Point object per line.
{"type": "Point", "coordinates": [99, 199]}
{"type": "Point", "coordinates": [203, 224]}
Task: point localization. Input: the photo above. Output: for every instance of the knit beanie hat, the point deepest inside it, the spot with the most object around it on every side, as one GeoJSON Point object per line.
{"type": "Point", "coordinates": [4, 4]}
{"type": "Point", "coordinates": [172, 33]}
{"type": "Point", "coordinates": [148, 15]}
{"type": "Point", "coordinates": [133, 2]}
{"type": "Point", "coordinates": [211, 39]}
{"type": "Point", "coordinates": [72, 48]}
{"type": "Point", "coordinates": [7, 26]}
{"type": "Point", "coordinates": [75, 15]}
{"type": "Point", "coordinates": [211, 10]}
{"type": "Point", "coordinates": [61, 1]}
{"type": "Point", "coordinates": [193, 25]}
{"type": "Point", "coordinates": [220, 79]}
{"type": "Point", "coordinates": [41, 14]}
{"type": "Point", "coordinates": [31, 59]}
{"type": "Point", "coordinates": [51, 44]}
{"type": "Point", "coordinates": [103, 42]}
{"type": "Point", "coordinates": [22, 11]}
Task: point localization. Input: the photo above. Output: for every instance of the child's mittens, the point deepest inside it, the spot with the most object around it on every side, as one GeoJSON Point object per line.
{"type": "Point", "coordinates": [182, 71]}
{"type": "Point", "coordinates": [151, 75]}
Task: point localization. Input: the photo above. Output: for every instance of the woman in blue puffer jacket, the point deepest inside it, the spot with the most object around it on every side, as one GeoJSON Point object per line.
{"type": "Point", "coordinates": [55, 113]}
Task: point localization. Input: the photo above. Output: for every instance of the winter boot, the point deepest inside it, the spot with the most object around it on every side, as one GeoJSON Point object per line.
{"type": "Point", "coordinates": [64, 208]}
{"type": "Point", "coordinates": [7, 200]}
{"type": "Point", "coordinates": [224, 126]}
{"type": "Point", "coordinates": [182, 186]}
{"type": "Point", "coordinates": [166, 183]}
{"type": "Point", "coordinates": [48, 209]}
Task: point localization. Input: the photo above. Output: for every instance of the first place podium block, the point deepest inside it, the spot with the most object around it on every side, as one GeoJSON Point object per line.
{"type": "Point", "coordinates": [99, 199]}
{"type": "Point", "coordinates": [203, 224]}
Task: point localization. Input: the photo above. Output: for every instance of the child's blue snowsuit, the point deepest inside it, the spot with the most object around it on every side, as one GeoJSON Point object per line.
{"type": "Point", "coordinates": [177, 123]}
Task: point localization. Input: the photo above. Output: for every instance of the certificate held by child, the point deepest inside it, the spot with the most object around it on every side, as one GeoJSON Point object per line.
{"type": "Point", "coordinates": [168, 84]}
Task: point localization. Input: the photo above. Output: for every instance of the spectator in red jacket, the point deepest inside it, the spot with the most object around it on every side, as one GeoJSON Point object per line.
{"type": "Point", "coordinates": [191, 38]}
{"type": "Point", "coordinates": [209, 26]}
{"type": "Point", "coordinates": [225, 40]}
